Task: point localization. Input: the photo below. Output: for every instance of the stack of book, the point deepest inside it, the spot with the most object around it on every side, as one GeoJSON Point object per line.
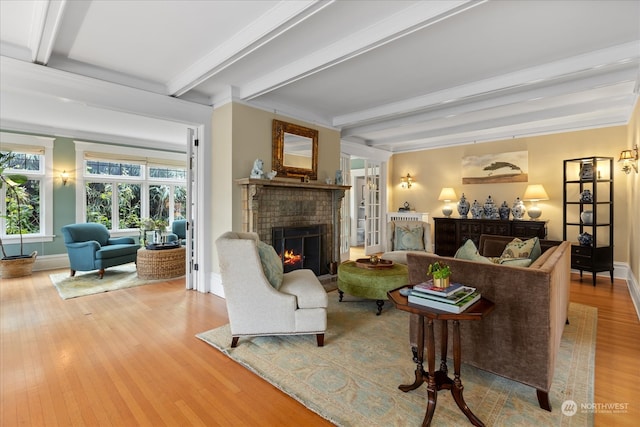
{"type": "Point", "coordinates": [454, 299]}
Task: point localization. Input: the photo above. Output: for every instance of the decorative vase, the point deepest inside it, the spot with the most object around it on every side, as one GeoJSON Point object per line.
{"type": "Point", "coordinates": [476, 210]}
{"type": "Point", "coordinates": [490, 210]}
{"type": "Point", "coordinates": [586, 171]}
{"type": "Point", "coordinates": [463, 207]}
{"type": "Point", "coordinates": [518, 209]}
{"type": "Point", "coordinates": [504, 210]}
{"type": "Point", "coordinates": [587, 217]}
{"type": "Point", "coordinates": [586, 196]}
{"type": "Point", "coordinates": [585, 239]}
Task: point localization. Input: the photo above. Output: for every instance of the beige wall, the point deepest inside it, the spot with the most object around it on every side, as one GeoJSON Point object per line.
{"type": "Point", "coordinates": [242, 134]}
{"type": "Point", "coordinates": [434, 169]}
{"type": "Point", "coordinates": [632, 198]}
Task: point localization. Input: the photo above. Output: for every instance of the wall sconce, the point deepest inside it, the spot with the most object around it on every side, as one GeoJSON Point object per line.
{"type": "Point", "coordinates": [629, 159]}
{"type": "Point", "coordinates": [534, 193]}
{"type": "Point", "coordinates": [406, 181]}
{"type": "Point", "coordinates": [447, 195]}
{"type": "Point", "coordinates": [64, 176]}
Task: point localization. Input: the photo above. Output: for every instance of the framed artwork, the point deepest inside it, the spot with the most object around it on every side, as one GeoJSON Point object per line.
{"type": "Point", "coordinates": [496, 168]}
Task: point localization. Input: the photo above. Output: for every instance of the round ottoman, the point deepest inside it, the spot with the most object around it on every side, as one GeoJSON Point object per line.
{"type": "Point", "coordinates": [370, 283]}
{"type": "Point", "coordinates": [161, 263]}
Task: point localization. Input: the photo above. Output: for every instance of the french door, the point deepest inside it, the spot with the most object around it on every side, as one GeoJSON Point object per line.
{"type": "Point", "coordinates": [372, 207]}
{"type": "Point", "coordinates": [191, 236]}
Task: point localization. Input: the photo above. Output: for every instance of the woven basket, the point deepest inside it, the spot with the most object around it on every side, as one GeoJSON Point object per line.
{"type": "Point", "coordinates": [17, 267]}
{"type": "Point", "coordinates": [161, 264]}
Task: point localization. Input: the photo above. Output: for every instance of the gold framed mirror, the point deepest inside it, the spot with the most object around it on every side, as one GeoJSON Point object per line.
{"type": "Point", "coordinates": [295, 150]}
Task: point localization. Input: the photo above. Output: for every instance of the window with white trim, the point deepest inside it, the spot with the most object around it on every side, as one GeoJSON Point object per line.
{"type": "Point", "coordinates": [32, 213]}
{"type": "Point", "coordinates": [119, 190]}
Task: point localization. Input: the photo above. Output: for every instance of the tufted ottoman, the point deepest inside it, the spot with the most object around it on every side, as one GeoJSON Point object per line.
{"type": "Point", "coordinates": [370, 283]}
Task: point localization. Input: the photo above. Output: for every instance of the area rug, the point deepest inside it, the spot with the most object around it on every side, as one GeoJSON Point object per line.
{"type": "Point", "coordinates": [353, 380]}
{"type": "Point", "coordinates": [89, 282]}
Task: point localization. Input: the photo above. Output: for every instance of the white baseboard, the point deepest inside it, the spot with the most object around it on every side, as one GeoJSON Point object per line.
{"type": "Point", "coordinates": [51, 262]}
{"type": "Point", "coordinates": [216, 285]}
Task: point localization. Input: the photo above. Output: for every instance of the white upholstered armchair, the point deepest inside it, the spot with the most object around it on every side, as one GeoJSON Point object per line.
{"type": "Point", "coordinates": [404, 237]}
{"type": "Point", "coordinates": [261, 299]}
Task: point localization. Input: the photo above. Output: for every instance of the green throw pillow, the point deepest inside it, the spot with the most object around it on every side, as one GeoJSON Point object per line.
{"type": "Point", "coordinates": [516, 262]}
{"type": "Point", "coordinates": [409, 238]}
{"type": "Point", "coordinates": [271, 264]}
{"type": "Point", "coordinates": [522, 249]}
{"type": "Point", "coordinates": [469, 251]}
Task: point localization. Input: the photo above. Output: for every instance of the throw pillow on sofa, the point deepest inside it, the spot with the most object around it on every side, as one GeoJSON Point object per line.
{"type": "Point", "coordinates": [469, 251]}
{"type": "Point", "coordinates": [522, 249]}
{"type": "Point", "coordinates": [271, 264]}
{"type": "Point", "coordinates": [409, 239]}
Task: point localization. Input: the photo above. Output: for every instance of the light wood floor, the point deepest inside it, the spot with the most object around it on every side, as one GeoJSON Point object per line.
{"type": "Point", "coordinates": [130, 357]}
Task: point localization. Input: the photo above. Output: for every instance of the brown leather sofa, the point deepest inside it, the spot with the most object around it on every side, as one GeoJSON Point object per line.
{"type": "Point", "coordinates": [520, 339]}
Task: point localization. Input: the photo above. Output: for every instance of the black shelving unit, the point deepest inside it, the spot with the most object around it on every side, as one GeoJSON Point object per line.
{"type": "Point", "coordinates": [594, 174]}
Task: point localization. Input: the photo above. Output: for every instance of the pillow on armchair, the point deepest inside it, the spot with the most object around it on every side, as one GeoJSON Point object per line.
{"type": "Point", "coordinates": [409, 238]}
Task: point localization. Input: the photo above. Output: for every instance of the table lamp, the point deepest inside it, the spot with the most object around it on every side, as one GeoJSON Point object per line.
{"type": "Point", "coordinates": [447, 195]}
{"type": "Point", "coordinates": [534, 193]}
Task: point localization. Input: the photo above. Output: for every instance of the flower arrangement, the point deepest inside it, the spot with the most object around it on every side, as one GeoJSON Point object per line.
{"type": "Point", "coordinates": [441, 273]}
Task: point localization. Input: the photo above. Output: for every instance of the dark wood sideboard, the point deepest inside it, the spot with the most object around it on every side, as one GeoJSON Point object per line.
{"type": "Point", "coordinates": [451, 233]}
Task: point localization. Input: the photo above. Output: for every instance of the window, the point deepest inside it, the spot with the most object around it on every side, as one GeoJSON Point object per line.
{"type": "Point", "coordinates": [119, 190]}
{"type": "Point", "coordinates": [33, 215]}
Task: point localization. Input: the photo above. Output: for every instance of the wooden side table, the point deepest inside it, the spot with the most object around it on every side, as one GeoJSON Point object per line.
{"type": "Point", "coordinates": [439, 380]}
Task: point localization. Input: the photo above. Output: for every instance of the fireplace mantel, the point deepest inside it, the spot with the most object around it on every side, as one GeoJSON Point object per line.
{"type": "Point", "coordinates": [291, 183]}
{"type": "Point", "coordinates": [289, 203]}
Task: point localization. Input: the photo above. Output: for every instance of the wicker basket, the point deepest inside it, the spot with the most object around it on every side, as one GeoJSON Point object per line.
{"type": "Point", "coordinates": [161, 264]}
{"type": "Point", "coordinates": [17, 267]}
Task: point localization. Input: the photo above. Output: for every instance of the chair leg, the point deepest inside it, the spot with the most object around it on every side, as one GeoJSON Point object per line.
{"type": "Point", "coordinates": [320, 340]}
{"type": "Point", "coordinates": [73, 273]}
{"type": "Point", "coordinates": [543, 400]}
{"type": "Point", "coordinates": [234, 342]}
{"type": "Point", "coordinates": [101, 273]}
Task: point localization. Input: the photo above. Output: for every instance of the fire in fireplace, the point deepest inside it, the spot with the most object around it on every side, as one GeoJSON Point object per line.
{"type": "Point", "coordinates": [301, 247]}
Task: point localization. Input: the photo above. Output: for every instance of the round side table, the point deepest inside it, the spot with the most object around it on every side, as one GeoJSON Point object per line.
{"type": "Point", "coordinates": [161, 264]}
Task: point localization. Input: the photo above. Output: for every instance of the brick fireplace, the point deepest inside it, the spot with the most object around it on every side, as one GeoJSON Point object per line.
{"type": "Point", "coordinates": [268, 204]}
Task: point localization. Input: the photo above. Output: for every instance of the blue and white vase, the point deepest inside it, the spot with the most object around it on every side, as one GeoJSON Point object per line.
{"type": "Point", "coordinates": [504, 210]}
{"type": "Point", "coordinates": [585, 239]}
{"type": "Point", "coordinates": [518, 209]}
{"type": "Point", "coordinates": [463, 207]}
{"type": "Point", "coordinates": [586, 196]}
{"type": "Point", "coordinates": [490, 210]}
{"type": "Point", "coordinates": [476, 210]}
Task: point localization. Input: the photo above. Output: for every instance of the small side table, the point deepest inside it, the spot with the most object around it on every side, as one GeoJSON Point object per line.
{"type": "Point", "coordinates": [161, 264]}
{"type": "Point", "coordinates": [438, 380]}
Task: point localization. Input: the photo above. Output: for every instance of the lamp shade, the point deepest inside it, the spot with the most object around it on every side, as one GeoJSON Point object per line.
{"type": "Point", "coordinates": [447, 194]}
{"type": "Point", "coordinates": [535, 192]}
{"type": "Point", "coordinates": [626, 155]}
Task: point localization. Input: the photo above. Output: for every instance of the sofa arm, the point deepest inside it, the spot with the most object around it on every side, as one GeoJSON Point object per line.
{"type": "Point", "coordinates": [121, 241]}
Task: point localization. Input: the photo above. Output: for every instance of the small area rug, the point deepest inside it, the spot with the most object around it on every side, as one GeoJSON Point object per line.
{"type": "Point", "coordinates": [89, 282]}
{"type": "Point", "coordinates": [353, 380]}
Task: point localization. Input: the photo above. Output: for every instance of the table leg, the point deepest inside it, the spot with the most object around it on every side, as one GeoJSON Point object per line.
{"type": "Point", "coordinates": [379, 303]}
{"type": "Point", "coordinates": [420, 357]}
{"type": "Point", "coordinates": [456, 388]}
{"type": "Point", "coordinates": [444, 342]}
{"type": "Point", "coordinates": [432, 387]}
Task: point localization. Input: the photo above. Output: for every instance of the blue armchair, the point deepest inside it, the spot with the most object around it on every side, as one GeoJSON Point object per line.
{"type": "Point", "coordinates": [178, 231]}
{"type": "Point", "coordinates": [91, 248]}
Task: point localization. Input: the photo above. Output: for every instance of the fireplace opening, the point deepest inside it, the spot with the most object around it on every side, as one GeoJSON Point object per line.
{"type": "Point", "coordinates": [300, 247]}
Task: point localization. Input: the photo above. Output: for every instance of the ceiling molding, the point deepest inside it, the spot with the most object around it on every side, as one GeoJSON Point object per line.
{"type": "Point", "coordinates": [396, 26]}
{"type": "Point", "coordinates": [523, 78]}
{"type": "Point", "coordinates": [46, 33]}
{"type": "Point", "coordinates": [281, 18]}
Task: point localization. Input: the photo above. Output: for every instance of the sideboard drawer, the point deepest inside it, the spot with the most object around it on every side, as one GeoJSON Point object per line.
{"type": "Point", "coordinates": [581, 250]}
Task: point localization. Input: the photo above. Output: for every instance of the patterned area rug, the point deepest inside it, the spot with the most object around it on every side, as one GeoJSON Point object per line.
{"type": "Point", "coordinates": [89, 283]}
{"type": "Point", "coordinates": [353, 380]}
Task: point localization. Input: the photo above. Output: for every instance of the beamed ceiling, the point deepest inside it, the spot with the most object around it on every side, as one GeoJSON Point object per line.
{"type": "Point", "coordinates": [394, 75]}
